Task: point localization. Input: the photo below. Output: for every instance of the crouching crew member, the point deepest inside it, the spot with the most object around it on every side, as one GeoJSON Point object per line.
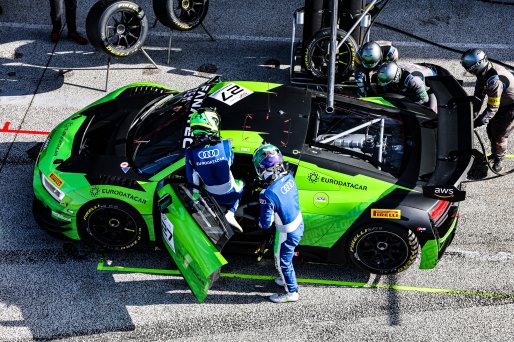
{"type": "Point", "coordinates": [498, 84]}
{"type": "Point", "coordinates": [367, 61]}
{"type": "Point", "coordinates": [209, 159]}
{"type": "Point", "coordinates": [279, 204]}
{"type": "Point", "coordinates": [407, 79]}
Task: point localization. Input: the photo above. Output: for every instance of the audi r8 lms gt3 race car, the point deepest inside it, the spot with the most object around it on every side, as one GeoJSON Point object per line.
{"type": "Point", "coordinates": [378, 178]}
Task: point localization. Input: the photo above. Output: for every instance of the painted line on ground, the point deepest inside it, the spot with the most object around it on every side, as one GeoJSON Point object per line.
{"type": "Point", "coordinates": [102, 267]}
{"type": "Point", "coordinates": [6, 129]}
{"type": "Point", "coordinates": [248, 38]}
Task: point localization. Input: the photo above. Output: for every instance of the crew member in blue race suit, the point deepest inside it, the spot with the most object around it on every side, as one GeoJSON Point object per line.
{"type": "Point", "coordinates": [208, 161]}
{"type": "Point", "coordinates": [279, 204]}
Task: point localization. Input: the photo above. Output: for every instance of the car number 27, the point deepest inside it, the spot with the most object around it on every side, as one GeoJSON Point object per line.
{"type": "Point", "coordinates": [167, 232]}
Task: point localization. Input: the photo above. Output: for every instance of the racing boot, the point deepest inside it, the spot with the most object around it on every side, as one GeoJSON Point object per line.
{"type": "Point", "coordinates": [232, 220]}
{"type": "Point", "coordinates": [284, 297]}
{"type": "Point", "coordinates": [497, 164]}
{"type": "Point", "coordinates": [279, 281]}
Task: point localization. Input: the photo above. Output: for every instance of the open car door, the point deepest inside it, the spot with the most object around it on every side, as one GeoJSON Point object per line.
{"type": "Point", "coordinates": [194, 233]}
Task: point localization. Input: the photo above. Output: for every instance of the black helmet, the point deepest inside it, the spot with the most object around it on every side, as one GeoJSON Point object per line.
{"type": "Point", "coordinates": [370, 55]}
{"type": "Point", "coordinates": [474, 61]}
{"type": "Point", "coordinates": [388, 72]}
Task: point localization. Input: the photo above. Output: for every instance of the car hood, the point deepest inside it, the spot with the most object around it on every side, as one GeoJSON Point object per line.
{"type": "Point", "coordinates": [94, 141]}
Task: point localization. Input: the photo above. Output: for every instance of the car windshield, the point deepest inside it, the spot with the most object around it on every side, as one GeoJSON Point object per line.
{"type": "Point", "coordinates": [377, 138]}
{"type": "Point", "coordinates": [156, 136]}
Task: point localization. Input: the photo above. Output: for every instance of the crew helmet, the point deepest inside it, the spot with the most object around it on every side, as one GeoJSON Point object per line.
{"type": "Point", "coordinates": [268, 161]}
{"type": "Point", "coordinates": [205, 121]}
{"type": "Point", "coordinates": [389, 72]}
{"type": "Point", "coordinates": [474, 61]}
{"type": "Point", "coordinates": [370, 55]}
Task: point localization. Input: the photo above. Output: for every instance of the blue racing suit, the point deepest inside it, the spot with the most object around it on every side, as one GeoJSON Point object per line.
{"type": "Point", "coordinates": [211, 163]}
{"type": "Point", "coordinates": [279, 203]}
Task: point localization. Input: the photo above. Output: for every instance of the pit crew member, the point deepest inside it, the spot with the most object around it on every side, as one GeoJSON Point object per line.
{"type": "Point", "coordinates": [498, 84]}
{"type": "Point", "coordinates": [279, 204]}
{"type": "Point", "coordinates": [367, 61]}
{"type": "Point", "coordinates": [407, 79]}
{"type": "Point", "coordinates": [209, 159]}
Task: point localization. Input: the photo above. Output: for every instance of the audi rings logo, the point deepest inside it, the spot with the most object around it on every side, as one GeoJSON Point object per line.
{"type": "Point", "coordinates": [287, 187]}
{"type": "Point", "coordinates": [208, 154]}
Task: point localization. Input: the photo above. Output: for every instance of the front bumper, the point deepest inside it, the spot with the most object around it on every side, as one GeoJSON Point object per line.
{"type": "Point", "coordinates": [50, 214]}
{"type": "Point", "coordinates": [45, 220]}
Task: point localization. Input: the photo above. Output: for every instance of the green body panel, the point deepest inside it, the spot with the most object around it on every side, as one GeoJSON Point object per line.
{"type": "Point", "coordinates": [378, 100]}
{"type": "Point", "coordinates": [196, 257]}
{"type": "Point", "coordinates": [429, 255]}
{"type": "Point", "coordinates": [261, 87]}
{"type": "Point", "coordinates": [331, 201]}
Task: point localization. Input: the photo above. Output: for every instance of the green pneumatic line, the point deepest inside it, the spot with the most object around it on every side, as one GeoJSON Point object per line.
{"type": "Point", "coordinates": [102, 267]}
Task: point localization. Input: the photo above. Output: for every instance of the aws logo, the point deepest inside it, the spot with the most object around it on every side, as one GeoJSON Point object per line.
{"type": "Point", "coordinates": [444, 193]}
{"type": "Point", "coordinates": [447, 193]}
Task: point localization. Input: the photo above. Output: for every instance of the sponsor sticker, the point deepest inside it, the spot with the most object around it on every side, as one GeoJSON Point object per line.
{"type": "Point", "coordinates": [125, 167]}
{"type": "Point", "coordinates": [395, 214]}
{"type": "Point", "coordinates": [167, 232]}
{"type": "Point", "coordinates": [60, 217]}
{"type": "Point", "coordinates": [231, 94]}
{"type": "Point", "coordinates": [56, 180]}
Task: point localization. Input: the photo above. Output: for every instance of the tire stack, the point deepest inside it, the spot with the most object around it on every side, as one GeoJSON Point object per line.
{"type": "Point", "coordinates": [316, 38]}
{"type": "Point", "coordinates": [119, 27]}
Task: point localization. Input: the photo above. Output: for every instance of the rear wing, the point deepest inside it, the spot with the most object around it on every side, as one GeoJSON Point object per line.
{"type": "Point", "coordinates": [454, 139]}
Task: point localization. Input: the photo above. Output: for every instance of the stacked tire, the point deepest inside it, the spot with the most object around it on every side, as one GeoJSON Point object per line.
{"type": "Point", "coordinates": [118, 28]}
{"type": "Point", "coordinates": [181, 15]}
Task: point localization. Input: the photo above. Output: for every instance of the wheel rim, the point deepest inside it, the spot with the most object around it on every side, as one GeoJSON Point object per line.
{"type": "Point", "coordinates": [123, 29]}
{"type": "Point", "coordinates": [320, 58]}
{"type": "Point", "coordinates": [113, 227]}
{"type": "Point", "coordinates": [190, 10]}
{"type": "Point", "coordinates": [382, 250]}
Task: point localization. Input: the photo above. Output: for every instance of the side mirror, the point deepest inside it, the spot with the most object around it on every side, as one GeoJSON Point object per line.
{"type": "Point", "coordinates": [164, 202]}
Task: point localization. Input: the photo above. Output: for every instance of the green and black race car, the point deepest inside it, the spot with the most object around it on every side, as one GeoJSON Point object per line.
{"type": "Point", "coordinates": [378, 178]}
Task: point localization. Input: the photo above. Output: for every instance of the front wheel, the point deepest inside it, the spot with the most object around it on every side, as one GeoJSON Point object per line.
{"type": "Point", "coordinates": [383, 248]}
{"type": "Point", "coordinates": [317, 55]}
{"type": "Point", "coordinates": [111, 224]}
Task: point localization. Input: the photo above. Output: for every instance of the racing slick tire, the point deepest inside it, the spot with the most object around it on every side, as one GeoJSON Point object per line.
{"type": "Point", "coordinates": [317, 59]}
{"type": "Point", "coordinates": [182, 15]}
{"type": "Point", "coordinates": [382, 248]}
{"type": "Point", "coordinates": [118, 28]}
{"type": "Point", "coordinates": [111, 224]}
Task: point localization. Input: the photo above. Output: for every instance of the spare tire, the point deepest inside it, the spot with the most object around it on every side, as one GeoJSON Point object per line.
{"type": "Point", "coordinates": [317, 58]}
{"type": "Point", "coordinates": [182, 15]}
{"type": "Point", "coordinates": [118, 28]}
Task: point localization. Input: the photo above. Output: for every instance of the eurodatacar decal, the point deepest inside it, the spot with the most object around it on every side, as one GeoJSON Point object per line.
{"type": "Point", "coordinates": [95, 191]}
{"type": "Point", "coordinates": [314, 177]}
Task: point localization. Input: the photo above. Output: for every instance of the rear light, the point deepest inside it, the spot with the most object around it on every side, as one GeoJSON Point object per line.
{"type": "Point", "coordinates": [438, 210]}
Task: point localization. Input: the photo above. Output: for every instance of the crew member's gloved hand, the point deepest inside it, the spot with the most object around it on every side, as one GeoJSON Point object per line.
{"type": "Point", "coordinates": [480, 121]}
{"type": "Point", "coordinates": [196, 196]}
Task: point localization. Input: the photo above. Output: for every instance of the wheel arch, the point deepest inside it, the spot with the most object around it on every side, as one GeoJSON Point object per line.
{"type": "Point", "coordinates": [89, 205]}
{"type": "Point", "coordinates": [414, 218]}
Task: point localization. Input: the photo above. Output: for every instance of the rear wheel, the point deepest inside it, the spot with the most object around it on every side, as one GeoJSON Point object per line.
{"type": "Point", "coordinates": [182, 15]}
{"type": "Point", "coordinates": [317, 55]}
{"type": "Point", "coordinates": [112, 224]}
{"type": "Point", "coordinates": [383, 248]}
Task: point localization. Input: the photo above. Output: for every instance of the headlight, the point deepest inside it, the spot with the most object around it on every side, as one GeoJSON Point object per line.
{"type": "Point", "coordinates": [57, 194]}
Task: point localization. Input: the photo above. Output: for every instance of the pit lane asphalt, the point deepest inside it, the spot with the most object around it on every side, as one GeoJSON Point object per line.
{"type": "Point", "coordinates": [47, 294]}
